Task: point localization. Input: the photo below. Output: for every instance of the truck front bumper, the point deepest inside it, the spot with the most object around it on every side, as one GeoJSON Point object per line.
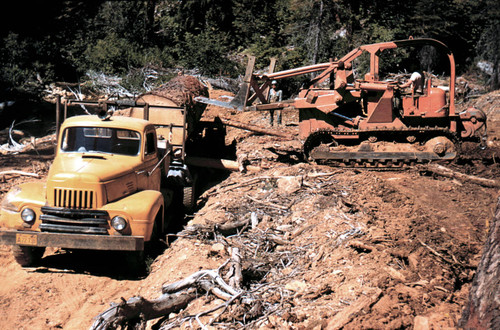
{"type": "Point", "coordinates": [72, 241]}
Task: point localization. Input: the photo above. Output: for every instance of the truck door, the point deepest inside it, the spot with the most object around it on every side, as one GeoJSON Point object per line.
{"type": "Point", "coordinates": [151, 160]}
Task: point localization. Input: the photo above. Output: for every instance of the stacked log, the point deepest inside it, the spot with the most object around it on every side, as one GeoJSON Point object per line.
{"type": "Point", "coordinates": [180, 92]}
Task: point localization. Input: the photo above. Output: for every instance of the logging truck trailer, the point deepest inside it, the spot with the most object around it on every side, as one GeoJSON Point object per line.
{"type": "Point", "coordinates": [112, 179]}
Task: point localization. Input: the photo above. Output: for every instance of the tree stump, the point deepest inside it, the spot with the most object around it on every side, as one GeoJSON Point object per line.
{"type": "Point", "coordinates": [483, 308]}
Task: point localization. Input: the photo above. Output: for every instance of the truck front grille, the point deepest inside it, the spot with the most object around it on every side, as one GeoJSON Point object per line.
{"type": "Point", "coordinates": [65, 220]}
{"type": "Point", "coordinates": [73, 198]}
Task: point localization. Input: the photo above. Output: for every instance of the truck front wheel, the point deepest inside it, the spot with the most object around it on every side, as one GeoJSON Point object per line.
{"type": "Point", "coordinates": [136, 261]}
{"type": "Point", "coordinates": [189, 199]}
{"type": "Point", "coordinates": [27, 255]}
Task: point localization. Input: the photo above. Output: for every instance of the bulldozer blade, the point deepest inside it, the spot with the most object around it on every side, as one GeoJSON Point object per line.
{"type": "Point", "coordinates": [218, 103]}
{"type": "Point", "coordinates": [241, 98]}
{"type": "Point", "coordinates": [238, 102]}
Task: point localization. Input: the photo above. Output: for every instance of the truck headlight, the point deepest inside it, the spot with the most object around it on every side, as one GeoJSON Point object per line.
{"type": "Point", "coordinates": [119, 223]}
{"type": "Point", "coordinates": [28, 215]}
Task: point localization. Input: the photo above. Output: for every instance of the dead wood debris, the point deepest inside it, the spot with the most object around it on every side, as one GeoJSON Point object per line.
{"type": "Point", "coordinates": [446, 172]}
{"type": "Point", "coordinates": [252, 283]}
{"type": "Point", "coordinates": [245, 306]}
{"type": "Point", "coordinates": [15, 172]}
{"type": "Point", "coordinates": [232, 185]}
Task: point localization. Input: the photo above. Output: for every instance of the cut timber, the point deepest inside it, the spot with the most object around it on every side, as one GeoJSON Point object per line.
{"type": "Point", "coordinates": [180, 91]}
{"type": "Point", "coordinates": [483, 308]}
{"type": "Point", "coordinates": [446, 172]}
{"type": "Point", "coordinates": [222, 164]}
{"type": "Point", "coordinates": [254, 128]}
{"type": "Point", "coordinates": [177, 93]}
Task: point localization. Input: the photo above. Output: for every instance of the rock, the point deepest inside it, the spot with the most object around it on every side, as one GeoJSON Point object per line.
{"type": "Point", "coordinates": [289, 184]}
{"type": "Point", "coordinates": [296, 286]}
{"type": "Point", "coordinates": [413, 261]}
{"type": "Point", "coordinates": [218, 249]}
{"type": "Point", "coordinates": [420, 323]}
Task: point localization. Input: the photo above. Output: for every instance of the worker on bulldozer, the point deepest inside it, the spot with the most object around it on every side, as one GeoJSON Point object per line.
{"type": "Point", "coordinates": [416, 81]}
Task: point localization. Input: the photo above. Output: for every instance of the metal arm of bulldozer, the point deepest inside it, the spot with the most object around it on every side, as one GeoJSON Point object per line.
{"type": "Point", "coordinates": [243, 99]}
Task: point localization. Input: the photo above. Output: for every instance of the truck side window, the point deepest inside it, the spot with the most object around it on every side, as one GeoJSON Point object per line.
{"type": "Point", "coordinates": [150, 143]}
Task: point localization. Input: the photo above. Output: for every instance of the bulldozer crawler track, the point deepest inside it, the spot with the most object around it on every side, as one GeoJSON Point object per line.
{"type": "Point", "coordinates": [378, 161]}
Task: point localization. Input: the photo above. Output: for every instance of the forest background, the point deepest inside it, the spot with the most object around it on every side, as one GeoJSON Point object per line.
{"type": "Point", "coordinates": [48, 41]}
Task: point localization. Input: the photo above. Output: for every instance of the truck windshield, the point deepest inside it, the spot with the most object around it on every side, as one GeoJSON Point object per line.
{"type": "Point", "coordinates": [101, 139]}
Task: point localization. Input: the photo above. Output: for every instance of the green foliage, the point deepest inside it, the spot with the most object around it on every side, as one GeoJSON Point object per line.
{"type": "Point", "coordinates": [121, 37]}
{"type": "Point", "coordinates": [109, 55]}
{"type": "Point", "coordinates": [19, 72]}
{"type": "Point", "coordinates": [207, 52]}
{"type": "Point", "coordinates": [488, 46]}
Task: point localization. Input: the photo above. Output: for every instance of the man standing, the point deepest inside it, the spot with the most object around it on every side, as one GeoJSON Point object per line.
{"type": "Point", "coordinates": [275, 95]}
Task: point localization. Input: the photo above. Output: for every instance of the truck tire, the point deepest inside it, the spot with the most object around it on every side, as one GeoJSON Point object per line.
{"type": "Point", "coordinates": [27, 255]}
{"type": "Point", "coordinates": [189, 199]}
{"type": "Point", "coordinates": [136, 261]}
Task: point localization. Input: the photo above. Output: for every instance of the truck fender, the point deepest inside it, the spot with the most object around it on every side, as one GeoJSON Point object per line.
{"type": "Point", "coordinates": [30, 194]}
{"type": "Point", "coordinates": [140, 209]}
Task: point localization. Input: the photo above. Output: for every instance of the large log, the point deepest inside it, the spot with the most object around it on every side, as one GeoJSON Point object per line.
{"type": "Point", "coordinates": [483, 309]}
{"type": "Point", "coordinates": [178, 92]}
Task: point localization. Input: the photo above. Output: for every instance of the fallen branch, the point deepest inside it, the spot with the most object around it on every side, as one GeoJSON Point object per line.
{"type": "Point", "coordinates": [235, 275]}
{"type": "Point", "coordinates": [225, 229]}
{"type": "Point", "coordinates": [222, 164]}
{"type": "Point", "coordinates": [16, 172]}
{"type": "Point", "coordinates": [137, 310]}
{"type": "Point", "coordinates": [347, 314]}
{"type": "Point", "coordinates": [358, 245]}
{"type": "Point", "coordinates": [269, 204]}
{"type": "Point", "coordinates": [446, 172]}
{"type": "Point", "coordinates": [451, 262]}
{"type": "Point", "coordinates": [231, 186]}
{"type": "Point", "coordinates": [134, 313]}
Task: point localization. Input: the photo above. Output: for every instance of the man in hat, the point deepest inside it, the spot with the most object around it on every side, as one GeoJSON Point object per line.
{"type": "Point", "coordinates": [275, 95]}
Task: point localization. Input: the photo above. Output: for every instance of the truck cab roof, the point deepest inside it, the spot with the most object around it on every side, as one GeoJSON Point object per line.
{"type": "Point", "coordinates": [114, 122]}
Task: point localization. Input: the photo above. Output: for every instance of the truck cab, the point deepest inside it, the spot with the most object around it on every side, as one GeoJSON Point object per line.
{"type": "Point", "coordinates": [102, 191]}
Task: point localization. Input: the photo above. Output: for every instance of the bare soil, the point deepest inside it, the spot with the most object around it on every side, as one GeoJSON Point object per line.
{"type": "Point", "coordinates": [355, 248]}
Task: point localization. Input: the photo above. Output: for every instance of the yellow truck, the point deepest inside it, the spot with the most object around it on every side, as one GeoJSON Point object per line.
{"type": "Point", "coordinates": [108, 188]}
